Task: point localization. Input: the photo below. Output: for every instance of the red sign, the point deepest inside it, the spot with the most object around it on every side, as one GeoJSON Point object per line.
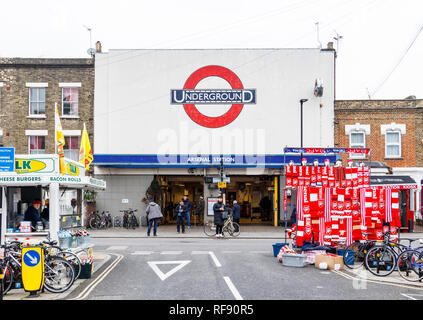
{"type": "Point", "coordinates": [231, 114]}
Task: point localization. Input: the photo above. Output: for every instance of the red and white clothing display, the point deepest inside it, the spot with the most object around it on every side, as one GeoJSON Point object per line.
{"type": "Point", "coordinates": [336, 205]}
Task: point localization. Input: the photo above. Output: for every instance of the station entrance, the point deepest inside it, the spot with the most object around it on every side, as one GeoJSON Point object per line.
{"type": "Point", "coordinates": [254, 194]}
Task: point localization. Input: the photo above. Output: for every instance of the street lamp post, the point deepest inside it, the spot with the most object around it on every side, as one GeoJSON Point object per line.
{"type": "Point", "coordinates": [301, 102]}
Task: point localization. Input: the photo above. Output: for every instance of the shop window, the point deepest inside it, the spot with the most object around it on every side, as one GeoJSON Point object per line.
{"type": "Point", "coordinates": [70, 102]}
{"type": "Point", "coordinates": [357, 140]}
{"type": "Point", "coordinates": [393, 144]}
{"type": "Point", "coordinates": [37, 145]}
{"type": "Point", "coordinates": [71, 148]}
{"type": "Point", "coordinates": [37, 101]}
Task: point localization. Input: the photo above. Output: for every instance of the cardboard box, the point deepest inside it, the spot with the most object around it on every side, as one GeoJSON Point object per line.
{"type": "Point", "coordinates": [334, 262]}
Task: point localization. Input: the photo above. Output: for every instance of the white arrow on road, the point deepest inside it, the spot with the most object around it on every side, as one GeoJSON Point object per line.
{"type": "Point", "coordinates": [163, 276]}
{"type": "Point", "coordinates": [33, 260]}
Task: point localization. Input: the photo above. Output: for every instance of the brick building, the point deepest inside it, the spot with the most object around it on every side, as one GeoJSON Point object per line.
{"type": "Point", "coordinates": [29, 89]}
{"type": "Point", "coordinates": [393, 129]}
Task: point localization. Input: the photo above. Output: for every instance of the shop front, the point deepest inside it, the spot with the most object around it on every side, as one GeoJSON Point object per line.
{"type": "Point", "coordinates": [37, 177]}
{"type": "Point", "coordinates": [165, 131]}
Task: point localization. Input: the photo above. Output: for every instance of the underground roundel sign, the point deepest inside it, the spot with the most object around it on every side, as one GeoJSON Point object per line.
{"type": "Point", "coordinates": [189, 97]}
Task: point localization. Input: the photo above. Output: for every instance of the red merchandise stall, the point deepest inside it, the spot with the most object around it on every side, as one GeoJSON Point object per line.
{"type": "Point", "coordinates": [338, 204]}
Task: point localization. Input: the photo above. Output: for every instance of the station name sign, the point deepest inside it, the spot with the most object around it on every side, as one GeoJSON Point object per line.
{"type": "Point", "coordinates": [213, 96]}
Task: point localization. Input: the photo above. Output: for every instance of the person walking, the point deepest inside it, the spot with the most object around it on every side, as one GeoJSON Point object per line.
{"type": "Point", "coordinates": [188, 206]}
{"type": "Point", "coordinates": [180, 213]}
{"type": "Point", "coordinates": [154, 214]}
{"type": "Point", "coordinates": [218, 209]}
{"type": "Point", "coordinates": [236, 211]}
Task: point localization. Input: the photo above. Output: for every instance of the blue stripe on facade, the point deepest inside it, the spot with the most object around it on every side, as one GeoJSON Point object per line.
{"type": "Point", "coordinates": [184, 161]}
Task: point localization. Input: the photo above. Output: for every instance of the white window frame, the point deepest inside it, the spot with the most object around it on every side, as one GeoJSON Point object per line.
{"type": "Point", "coordinates": [72, 134]}
{"type": "Point", "coordinates": [358, 155]}
{"type": "Point", "coordinates": [29, 143]}
{"type": "Point", "coordinates": [29, 102]}
{"type": "Point", "coordinates": [357, 128]}
{"type": "Point", "coordinates": [70, 87]}
{"type": "Point", "coordinates": [399, 144]}
{"type": "Point", "coordinates": [393, 127]}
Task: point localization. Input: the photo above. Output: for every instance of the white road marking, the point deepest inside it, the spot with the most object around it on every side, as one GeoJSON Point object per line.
{"type": "Point", "coordinates": [259, 251]}
{"type": "Point", "coordinates": [163, 276]}
{"type": "Point", "coordinates": [231, 251]}
{"type": "Point", "coordinates": [142, 252]}
{"type": "Point", "coordinates": [84, 294]}
{"type": "Point", "coordinates": [407, 296]}
{"type": "Point", "coordinates": [216, 262]}
{"type": "Point", "coordinates": [343, 274]}
{"type": "Point", "coordinates": [233, 289]}
{"type": "Point", "coordinates": [171, 252]}
{"type": "Point", "coordinates": [117, 248]}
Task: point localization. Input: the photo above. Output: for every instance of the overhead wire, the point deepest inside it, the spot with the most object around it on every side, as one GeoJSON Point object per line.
{"type": "Point", "coordinates": [399, 61]}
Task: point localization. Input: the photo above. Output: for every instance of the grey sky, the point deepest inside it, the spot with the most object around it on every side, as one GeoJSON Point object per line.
{"type": "Point", "coordinates": [376, 33]}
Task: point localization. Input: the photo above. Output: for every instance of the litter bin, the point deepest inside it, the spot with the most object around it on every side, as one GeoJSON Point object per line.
{"type": "Point", "coordinates": [86, 270]}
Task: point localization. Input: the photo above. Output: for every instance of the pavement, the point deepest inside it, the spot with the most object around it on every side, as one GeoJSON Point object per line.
{"type": "Point", "coordinates": [19, 294]}
{"type": "Point", "coordinates": [169, 231]}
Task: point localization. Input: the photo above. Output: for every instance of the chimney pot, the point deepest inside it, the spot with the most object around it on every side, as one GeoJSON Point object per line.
{"type": "Point", "coordinates": [98, 46]}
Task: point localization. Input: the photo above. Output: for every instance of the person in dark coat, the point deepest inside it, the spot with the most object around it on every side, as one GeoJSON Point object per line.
{"type": "Point", "coordinates": [218, 208]}
{"type": "Point", "coordinates": [180, 212]}
{"type": "Point", "coordinates": [200, 209]}
{"type": "Point", "coordinates": [31, 214]}
{"type": "Point", "coordinates": [294, 215]}
{"type": "Point", "coordinates": [188, 205]}
{"type": "Point", "coordinates": [236, 211]}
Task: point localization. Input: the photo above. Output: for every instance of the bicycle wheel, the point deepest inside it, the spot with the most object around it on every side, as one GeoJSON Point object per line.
{"type": "Point", "coordinates": [230, 229]}
{"type": "Point", "coordinates": [94, 223]}
{"type": "Point", "coordinates": [7, 279]}
{"type": "Point", "coordinates": [59, 275]}
{"type": "Point", "coordinates": [73, 259]}
{"type": "Point", "coordinates": [380, 261]}
{"type": "Point", "coordinates": [410, 265]}
{"type": "Point", "coordinates": [209, 229]}
{"type": "Point", "coordinates": [354, 255]}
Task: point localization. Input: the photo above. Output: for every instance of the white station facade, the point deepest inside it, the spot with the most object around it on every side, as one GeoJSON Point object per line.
{"type": "Point", "coordinates": [165, 121]}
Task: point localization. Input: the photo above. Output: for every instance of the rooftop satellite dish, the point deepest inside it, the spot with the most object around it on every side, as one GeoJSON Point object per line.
{"type": "Point", "coordinates": [91, 51]}
{"type": "Point", "coordinates": [410, 98]}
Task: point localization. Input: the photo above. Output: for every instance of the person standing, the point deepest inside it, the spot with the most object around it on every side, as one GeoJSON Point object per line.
{"type": "Point", "coordinates": [218, 209]}
{"type": "Point", "coordinates": [154, 214]}
{"type": "Point", "coordinates": [200, 208]}
{"type": "Point", "coordinates": [180, 212]}
{"type": "Point", "coordinates": [236, 211]}
{"type": "Point", "coordinates": [188, 206]}
{"type": "Point", "coordinates": [31, 214]}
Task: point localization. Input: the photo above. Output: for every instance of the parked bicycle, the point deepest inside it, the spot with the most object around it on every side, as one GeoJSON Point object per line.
{"type": "Point", "coordinates": [382, 257]}
{"type": "Point", "coordinates": [230, 228]}
{"type": "Point", "coordinates": [129, 220]}
{"type": "Point", "coordinates": [102, 221]}
{"type": "Point", "coordinates": [59, 274]}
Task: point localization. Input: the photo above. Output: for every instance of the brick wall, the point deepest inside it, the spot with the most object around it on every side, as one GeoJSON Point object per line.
{"type": "Point", "coordinates": [382, 112]}
{"type": "Point", "coordinates": [14, 108]}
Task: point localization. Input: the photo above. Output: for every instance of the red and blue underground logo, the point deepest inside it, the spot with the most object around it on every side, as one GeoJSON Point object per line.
{"type": "Point", "coordinates": [189, 97]}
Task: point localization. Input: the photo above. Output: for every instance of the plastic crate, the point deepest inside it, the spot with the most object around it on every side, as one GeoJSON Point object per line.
{"type": "Point", "coordinates": [294, 260]}
{"type": "Point", "coordinates": [65, 242]}
{"type": "Point", "coordinates": [277, 247]}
